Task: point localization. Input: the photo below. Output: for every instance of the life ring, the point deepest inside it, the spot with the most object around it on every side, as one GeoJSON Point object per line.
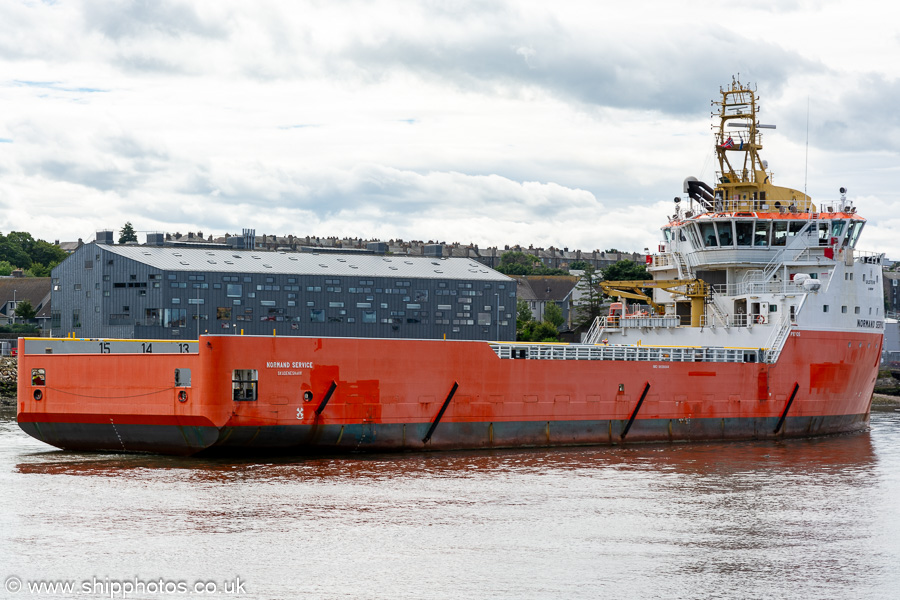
{"type": "Point", "coordinates": [182, 396]}
{"type": "Point", "coordinates": [760, 319]}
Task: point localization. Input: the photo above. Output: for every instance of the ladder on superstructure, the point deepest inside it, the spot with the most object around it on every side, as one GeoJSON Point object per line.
{"type": "Point", "coordinates": [779, 337]}
{"type": "Point", "coordinates": [781, 257]}
{"type": "Point", "coordinates": [684, 272]}
{"type": "Point", "coordinates": [593, 334]}
{"type": "Point", "coordinates": [717, 312]}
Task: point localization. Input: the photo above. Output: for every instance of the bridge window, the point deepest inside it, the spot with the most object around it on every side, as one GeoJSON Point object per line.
{"type": "Point", "coordinates": [692, 234]}
{"type": "Point", "coordinates": [761, 236]}
{"type": "Point", "coordinates": [708, 234]}
{"type": "Point", "coordinates": [853, 232]}
{"type": "Point", "coordinates": [744, 232]}
{"type": "Point", "coordinates": [823, 233]}
{"type": "Point", "coordinates": [725, 235]}
{"type": "Point", "coordinates": [779, 237]}
{"type": "Point", "coordinates": [837, 228]}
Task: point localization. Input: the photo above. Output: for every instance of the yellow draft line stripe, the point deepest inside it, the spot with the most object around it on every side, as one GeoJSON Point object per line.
{"type": "Point", "coordinates": [109, 340]}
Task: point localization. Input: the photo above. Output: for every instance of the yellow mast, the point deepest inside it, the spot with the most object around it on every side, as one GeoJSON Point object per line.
{"type": "Point", "coordinates": [744, 182]}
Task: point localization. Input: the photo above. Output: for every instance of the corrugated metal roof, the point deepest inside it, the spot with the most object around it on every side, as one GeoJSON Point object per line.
{"type": "Point", "coordinates": [554, 288]}
{"type": "Point", "coordinates": [303, 263]}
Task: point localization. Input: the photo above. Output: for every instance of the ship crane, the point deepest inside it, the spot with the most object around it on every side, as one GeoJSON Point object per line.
{"type": "Point", "coordinates": [696, 290]}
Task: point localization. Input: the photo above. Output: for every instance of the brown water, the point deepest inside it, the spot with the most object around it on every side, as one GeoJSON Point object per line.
{"type": "Point", "coordinates": [797, 519]}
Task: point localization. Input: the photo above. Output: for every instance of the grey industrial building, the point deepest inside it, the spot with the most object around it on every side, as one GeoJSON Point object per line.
{"type": "Point", "coordinates": [157, 291]}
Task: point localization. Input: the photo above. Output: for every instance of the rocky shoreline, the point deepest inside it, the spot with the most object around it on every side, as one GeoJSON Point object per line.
{"type": "Point", "coordinates": [8, 380]}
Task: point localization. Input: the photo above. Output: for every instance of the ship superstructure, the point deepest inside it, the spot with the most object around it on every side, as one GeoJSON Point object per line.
{"type": "Point", "coordinates": [772, 261]}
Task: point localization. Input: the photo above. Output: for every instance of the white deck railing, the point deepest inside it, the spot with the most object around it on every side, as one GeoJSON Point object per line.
{"type": "Point", "coordinates": [625, 353]}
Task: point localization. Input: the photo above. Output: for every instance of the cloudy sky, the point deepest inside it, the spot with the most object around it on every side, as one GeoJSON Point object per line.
{"type": "Point", "coordinates": [546, 123]}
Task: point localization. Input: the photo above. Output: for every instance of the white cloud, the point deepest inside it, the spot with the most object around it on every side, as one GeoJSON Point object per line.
{"type": "Point", "coordinates": [568, 124]}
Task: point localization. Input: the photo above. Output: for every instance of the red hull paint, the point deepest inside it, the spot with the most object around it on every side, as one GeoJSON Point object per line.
{"type": "Point", "coordinates": [398, 387]}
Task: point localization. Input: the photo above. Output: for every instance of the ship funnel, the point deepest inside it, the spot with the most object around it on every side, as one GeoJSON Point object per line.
{"type": "Point", "coordinates": [700, 192]}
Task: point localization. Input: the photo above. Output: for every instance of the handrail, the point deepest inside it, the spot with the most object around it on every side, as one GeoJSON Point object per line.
{"type": "Point", "coordinates": [596, 330]}
{"type": "Point", "coordinates": [519, 351]}
{"type": "Point", "coordinates": [777, 340]}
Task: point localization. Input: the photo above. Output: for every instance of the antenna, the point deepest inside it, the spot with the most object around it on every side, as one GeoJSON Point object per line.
{"type": "Point", "coordinates": [806, 159]}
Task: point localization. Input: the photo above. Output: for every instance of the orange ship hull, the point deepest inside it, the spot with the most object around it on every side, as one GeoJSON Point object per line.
{"type": "Point", "coordinates": [339, 394]}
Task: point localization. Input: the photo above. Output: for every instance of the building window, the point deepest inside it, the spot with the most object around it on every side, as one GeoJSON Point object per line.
{"type": "Point", "coordinates": [174, 317]}
{"type": "Point", "coordinates": [317, 315]}
{"type": "Point", "coordinates": [76, 318]}
{"type": "Point", "coordinates": [824, 308]}
{"type": "Point", "coordinates": [223, 313]}
{"type": "Point", "coordinates": [844, 310]}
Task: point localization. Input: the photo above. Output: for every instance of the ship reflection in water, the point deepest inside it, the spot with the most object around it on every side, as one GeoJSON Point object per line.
{"type": "Point", "coordinates": [813, 518]}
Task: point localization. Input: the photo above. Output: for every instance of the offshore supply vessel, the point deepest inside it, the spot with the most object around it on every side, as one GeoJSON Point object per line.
{"type": "Point", "coordinates": [761, 320]}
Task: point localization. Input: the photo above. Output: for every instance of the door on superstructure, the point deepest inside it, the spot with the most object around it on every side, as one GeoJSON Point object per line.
{"type": "Point", "coordinates": [740, 312]}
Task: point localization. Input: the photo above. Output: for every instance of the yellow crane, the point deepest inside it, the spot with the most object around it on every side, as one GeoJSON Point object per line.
{"type": "Point", "coordinates": [696, 290]}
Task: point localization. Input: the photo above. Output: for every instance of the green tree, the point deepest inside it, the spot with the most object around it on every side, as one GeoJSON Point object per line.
{"type": "Point", "coordinates": [19, 250]}
{"type": "Point", "coordinates": [625, 270]}
{"type": "Point", "coordinates": [553, 314]}
{"type": "Point", "coordinates": [590, 300]}
{"type": "Point", "coordinates": [514, 262]}
{"type": "Point", "coordinates": [6, 268]}
{"type": "Point", "coordinates": [127, 233]}
{"type": "Point", "coordinates": [523, 314]}
{"type": "Point", "coordinates": [543, 332]}
{"type": "Point", "coordinates": [39, 270]}
{"type": "Point", "coordinates": [47, 254]}
{"type": "Point", "coordinates": [517, 263]}
{"type": "Point", "coordinates": [25, 311]}
{"type": "Point", "coordinates": [11, 250]}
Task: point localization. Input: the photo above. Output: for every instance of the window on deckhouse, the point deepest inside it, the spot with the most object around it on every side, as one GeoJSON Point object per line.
{"type": "Point", "coordinates": [244, 384]}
